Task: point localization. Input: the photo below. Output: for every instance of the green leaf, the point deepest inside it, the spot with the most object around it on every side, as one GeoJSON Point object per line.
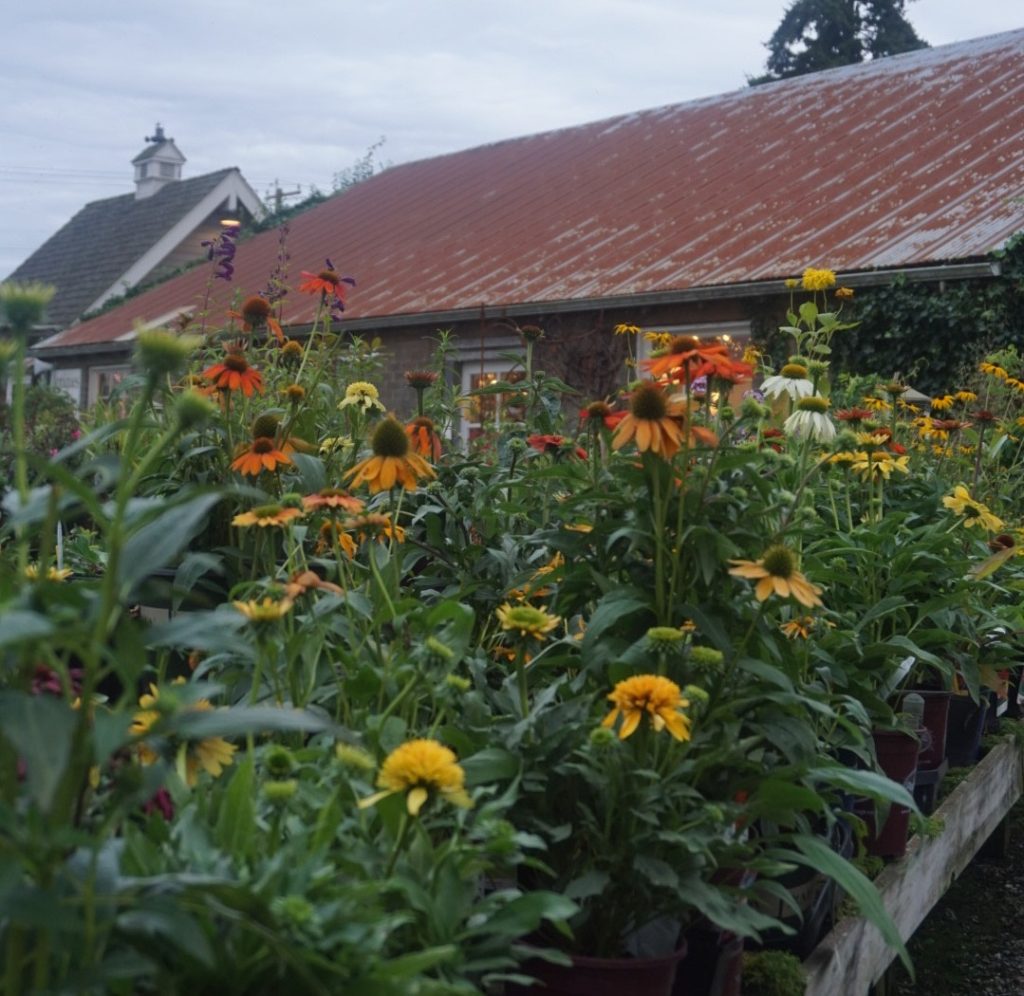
{"type": "Point", "coordinates": [869, 783]}
{"type": "Point", "coordinates": [418, 962]}
{"type": "Point", "coordinates": [808, 313]}
{"type": "Point", "coordinates": [312, 475]}
{"type": "Point", "coordinates": [213, 632]}
{"type": "Point", "coordinates": [191, 569]}
{"type": "Point", "coordinates": [490, 765]}
{"type": "Point", "coordinates": [162, 538]}
{"type": "Point", "coordinates": [591, 883]}
{"type": "Point", "coordinates": [656, 871]}
{"type": "Point", "coordinates": [524, 914]}
{"type": "Point", "coordinates": [237, 720]}
{"type": "Point", "coordinates": [816, 854]}
{"type": "Point", "coordinates": [20, 624]}
{"type": "Point", "coordinates": [39, 728]}
{"type": "Point", "coordinates": [236, 821]}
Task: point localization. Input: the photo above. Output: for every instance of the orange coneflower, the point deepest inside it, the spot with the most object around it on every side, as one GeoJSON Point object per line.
{"type": "Point", "coordinates": [553, 444]}
{"type": "Point", "coordinates": [261, 454]}
{"type": "Point", "coordinates": [305, 581]}
{"type": "Point", "coordinates": [374, 526]}
{"type": "Point", "coordinates": [234, 373]}
{"type": "Point", "coordinates": [392, 462]}
{"type": "Point", "coordinates": [327, 282]}
{"type": "Point", "coordinates": [424, 437]}
{"type": "Point", "coordinates": [686, 353]}
{"type": "Point", "coordinates": [256, 313]}
{"type": "Point", "coordinates": [333, 498]}
{"type": "Point", "coordinates": [332, 534]}
{"type": "Point", "coordinates": [267, 515]}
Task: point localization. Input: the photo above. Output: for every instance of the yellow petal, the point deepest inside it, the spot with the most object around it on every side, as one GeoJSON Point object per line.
{"type": "Point", "coordinates": [629, 724]}
{"type": "Point", "coordinates": [415, 799]}
{"type": "Point", "coordinates": [372, 800]}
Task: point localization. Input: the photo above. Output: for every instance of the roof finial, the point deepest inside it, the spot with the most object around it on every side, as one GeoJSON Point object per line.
{"type": "Point", "coordinates": [158, 135]}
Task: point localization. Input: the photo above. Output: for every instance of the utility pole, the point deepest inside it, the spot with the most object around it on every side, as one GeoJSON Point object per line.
{"type": "Point", "coordinates": [279, 195]}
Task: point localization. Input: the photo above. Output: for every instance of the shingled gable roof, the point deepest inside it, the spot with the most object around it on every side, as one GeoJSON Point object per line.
{"type": "Point", "coordinates": [97, 246]}
{"type": "Point", "coordinates": [901, 162]}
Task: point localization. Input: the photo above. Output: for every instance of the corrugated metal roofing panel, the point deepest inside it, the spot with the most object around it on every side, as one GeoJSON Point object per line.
{"type": "Point", "coordinates": [912, 160]}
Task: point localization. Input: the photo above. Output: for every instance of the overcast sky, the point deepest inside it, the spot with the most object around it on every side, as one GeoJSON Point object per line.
{"type": "Point", "coordinates": [296, 92]}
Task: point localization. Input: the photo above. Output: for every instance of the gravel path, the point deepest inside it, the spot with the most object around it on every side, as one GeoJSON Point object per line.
{"type": "Point", "coordinates": [972, 943]}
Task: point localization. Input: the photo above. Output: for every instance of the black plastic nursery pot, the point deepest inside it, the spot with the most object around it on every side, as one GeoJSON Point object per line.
{"type": "Point", "coordinates": [966, 725]}
{"type": "Point", "coordinates": [603, 976]}
{"type": "Point", "coordinates": [936, 723]}
{"type": "Point", "coordinates": [713, 965]}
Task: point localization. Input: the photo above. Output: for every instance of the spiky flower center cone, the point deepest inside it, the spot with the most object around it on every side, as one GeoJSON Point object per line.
{"type": "Point", "coordinates": [265, 425]}
{"type": "Point", "coordinates": [422, 422]}
{"type": "Point", "coordinates": [683, 344]}
{"type": "Point", "coordinates": [267, 511]}
{"type": "Point", "coordinates": [649, 403]}
{"type": "Point", "coordinates": [329, 276]}
{"type": "Point", "coordinates": [598, 409]}
{"type": "Point", "coordinates": [794, 371]}
{"type": "Point", "coordinates": [390, 439]}
{"type": "Point", "coordinates": [813, 404]}
{"type": "Point", "coordinates": [262, 445]}
{"type": "Point", "coordinates": [236, 362]}
{"type": "Point", "coordinates": [779, 562]}
{"type": "Point", "coordinates": [255, 310]}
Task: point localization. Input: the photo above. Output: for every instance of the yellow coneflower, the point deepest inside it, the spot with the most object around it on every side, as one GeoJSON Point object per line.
{"type": "Point", "coordinates": [652, 422]}
{"type": "Point", "coordinates": [527, 620]}
{"type": "Point", "coordinates": [625, 328]}
{"type": "Point", "coordinates": [879, 463]}
{"type": "Point", "coordinates": [361, 394]}
{"type": "Point", "coordinates": [876, 404]}
{"type": "Point", "coordinates": [421, 768]}
{"type": "Point", "coordinates": [392, 463]}
{"type": "Point", "coordinates": [943, 403]}
{"type": "Point", "coordinates": [776, 573]}
{"type": "Point", "coordinates": [269, 610]}
{"type": "Point", "coordinates": [653, 696]}
{"type": "Point", "coordinates": [33, 573]}
{"type": "Point", "coordinates": [993, 370]}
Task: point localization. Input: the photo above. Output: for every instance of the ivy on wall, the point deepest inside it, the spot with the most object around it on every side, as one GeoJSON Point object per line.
{"type": "Point", "coordinates": [933, 336]}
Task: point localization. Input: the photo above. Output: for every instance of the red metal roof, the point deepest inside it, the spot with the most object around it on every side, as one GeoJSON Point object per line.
{"type": "Point", "coordinates": [909, 160]}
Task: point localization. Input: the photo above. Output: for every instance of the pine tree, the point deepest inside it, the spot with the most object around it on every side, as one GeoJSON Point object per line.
{"type": "Point", "coordinates": [823, 34]}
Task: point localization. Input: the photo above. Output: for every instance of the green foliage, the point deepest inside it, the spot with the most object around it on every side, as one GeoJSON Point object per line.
{"type": "Point", "coordinates": [823, 34]}
{"type": "Point", "coordinates": [772, 973]}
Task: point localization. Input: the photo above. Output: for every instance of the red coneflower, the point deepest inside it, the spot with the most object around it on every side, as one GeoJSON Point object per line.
{"type": "Point", "coordinates": [328, 283]}
{"type": "Point", "coordinates": [854, 415]}
{"type": "Point", "coordinates": [553, 444]}
{"type": "Point", "coordinates": [333, 498]}
{"type": "Point", "coordinates": [234, 373]}
{"type": "Point", "coordinates": [600, 412]}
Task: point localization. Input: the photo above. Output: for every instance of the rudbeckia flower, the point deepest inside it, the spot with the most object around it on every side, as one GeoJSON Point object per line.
{"type": "Point", "coordinates": [392, 463]}
{"type": "Point", "coordinates": [526, 620]}
{"type": "Point", "coordinates": [776, 573]}
{"type": "Point", "coordinates": [233, 373]}
{"type": "Point", "coordinates": [327, 283]}
{"type": "Point", "coordinates": [361, 394]}
{"type": "Point", "coordinates": [815, 280]}
{"type": "Point", "coordinates": [653, 696]}
{"type": "Point", "coordinates": [269, 610]}
{"type": "Point", "coordinates": [694, 358]}
{"type": "Point", "coordinates": [421, 768]}
{"type": "Point", "coordinates": [601, 413]}
{"type": "Point", "coordinates": [975, 513]}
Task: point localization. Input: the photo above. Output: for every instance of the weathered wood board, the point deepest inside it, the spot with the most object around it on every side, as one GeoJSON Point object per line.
{"type": "Point", "coordinates": [853, 957]}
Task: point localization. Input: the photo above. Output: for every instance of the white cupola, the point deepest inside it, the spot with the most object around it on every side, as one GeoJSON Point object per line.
{"type": "Point", "coordinates": [156, 165]}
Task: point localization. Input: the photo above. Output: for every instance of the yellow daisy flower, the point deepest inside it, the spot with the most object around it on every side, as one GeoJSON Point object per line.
{"type": "Point", "coordinates": [654, 696]}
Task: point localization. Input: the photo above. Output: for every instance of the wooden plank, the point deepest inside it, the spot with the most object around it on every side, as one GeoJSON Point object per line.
{"type": "Point", "coordinates": [853, 956]}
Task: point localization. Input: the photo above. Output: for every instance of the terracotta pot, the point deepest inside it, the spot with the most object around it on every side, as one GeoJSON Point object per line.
{"type": "Point", "coordinates": [602, 976]}
{"type": "Point", "coordinates": [935, 719]}
{"type": "Point", "coordinates": [897, 757]}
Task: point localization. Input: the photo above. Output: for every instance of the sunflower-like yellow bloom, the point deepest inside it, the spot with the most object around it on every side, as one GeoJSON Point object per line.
{"type": "Point", "coordinates": [654, 696]}
{"type": "Point", "coordinates": [816, 280]}
{"type": "Point", "coordinates": [879, 463]}
{"type": "Point", "coordinates": [419, 768]}
{"type": "Point", "coordinates": [776, 573]}
{"type": "Point", "coordinates": [976, 514]}
{"type": "Point", "coordinates": [362, 395]}
{"type": "Point", "coordinates": [268, 610]}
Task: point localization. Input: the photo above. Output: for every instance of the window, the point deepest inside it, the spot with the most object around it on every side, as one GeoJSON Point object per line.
{"type": "Point", "coordinates": [487, 412]}
{"type": "Point", "coordinates": [104, 381]}
{"type": "Point", "coordinates": [168, 170]}
{"type": "Point", "coordinates": [734, 335]}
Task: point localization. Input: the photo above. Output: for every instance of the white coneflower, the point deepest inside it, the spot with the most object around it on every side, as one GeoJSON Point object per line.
{"type": "Point", "coordinates": [811, 420]}
{"type": "Point", "coordinates": [791, 380]}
